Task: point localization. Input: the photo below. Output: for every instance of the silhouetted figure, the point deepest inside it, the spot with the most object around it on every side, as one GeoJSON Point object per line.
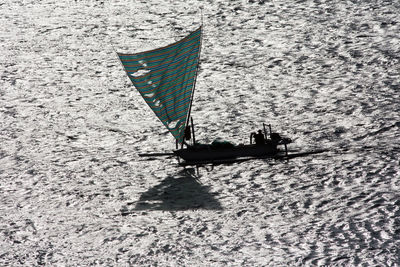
{"type": "Point", "coordinates": [259, 138]}
{"type": "Point", "coordinates": [276, 138]}
{"type": "Point", "coordinates": [188, 133]}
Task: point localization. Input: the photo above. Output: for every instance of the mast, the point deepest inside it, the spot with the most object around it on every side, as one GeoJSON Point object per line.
{"type": "Point", "coordinates": [197, 71]}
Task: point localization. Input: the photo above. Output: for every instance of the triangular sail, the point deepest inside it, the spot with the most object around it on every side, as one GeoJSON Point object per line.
{"type": "Point", "coordinates": [165, 78]}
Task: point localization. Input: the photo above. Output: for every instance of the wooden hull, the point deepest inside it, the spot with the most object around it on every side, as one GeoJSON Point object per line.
{"type": "Point", "coordinates": [215, 153]}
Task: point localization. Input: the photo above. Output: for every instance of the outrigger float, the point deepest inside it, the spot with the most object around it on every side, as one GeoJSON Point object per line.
{"type": "Point", "coordinates": [166, 79]}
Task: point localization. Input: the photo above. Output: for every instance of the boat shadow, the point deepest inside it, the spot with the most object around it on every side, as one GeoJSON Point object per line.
{"type": "Point", "coordinates": [182, 192]}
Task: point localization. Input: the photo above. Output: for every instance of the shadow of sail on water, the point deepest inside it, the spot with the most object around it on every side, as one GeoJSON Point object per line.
{"type": "Point", "coordinates": [165, 78]}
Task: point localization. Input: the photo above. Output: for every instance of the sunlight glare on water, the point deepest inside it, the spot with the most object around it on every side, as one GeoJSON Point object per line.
{"type": "Point", "coordinates": [74, 192]}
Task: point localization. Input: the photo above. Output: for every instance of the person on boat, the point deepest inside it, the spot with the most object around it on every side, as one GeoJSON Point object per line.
{"type": "Point", "coordinates": [276, 138]}
{"type": "Point", "coordinates": [187, 133]}
{"type": "Point", "coordinates": [259, 138]}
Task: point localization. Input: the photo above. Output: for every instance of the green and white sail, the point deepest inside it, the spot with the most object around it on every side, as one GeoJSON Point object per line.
{"type": "Point", "coordinates": [165, 78]}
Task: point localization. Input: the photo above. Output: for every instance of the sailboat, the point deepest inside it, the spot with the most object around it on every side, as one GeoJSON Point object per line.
{"type": "Point", "coordinates": [166, 79]}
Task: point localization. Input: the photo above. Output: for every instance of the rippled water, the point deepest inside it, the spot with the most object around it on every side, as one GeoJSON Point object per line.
{"type": "Point", "coordinates": [74, 192]}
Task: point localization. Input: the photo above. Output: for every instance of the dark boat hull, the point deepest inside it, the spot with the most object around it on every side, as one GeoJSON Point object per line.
{"type": "Point", "coordinates": [215, 153]}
